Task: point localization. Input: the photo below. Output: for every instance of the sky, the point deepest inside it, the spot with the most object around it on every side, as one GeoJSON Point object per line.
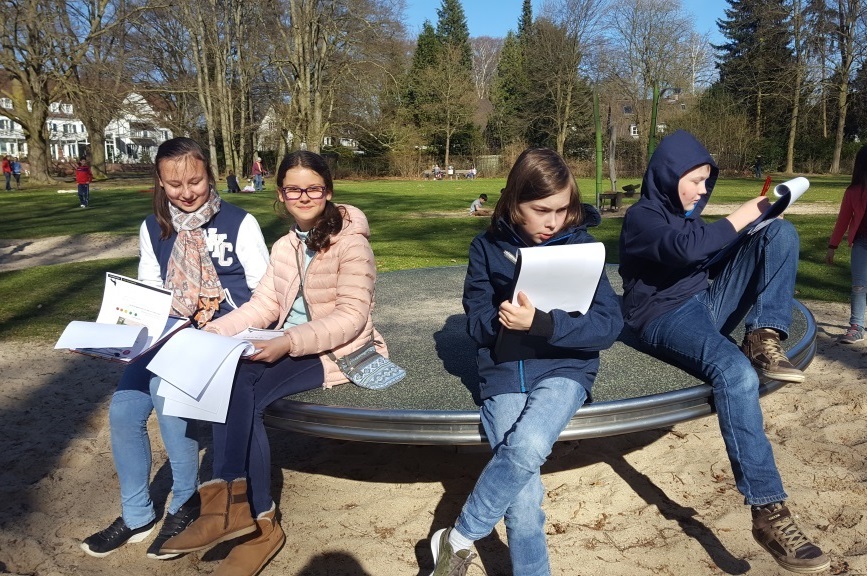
{"type": "Point", "coordinates": [496, 17]}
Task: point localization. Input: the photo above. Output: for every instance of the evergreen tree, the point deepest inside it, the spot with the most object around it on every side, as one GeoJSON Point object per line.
{"type": "Point", "coordinates": [452, 30]}
{"type": "Point", "coordinates": [507, 123]}
{"type": "Point", "coordinates": [755, 65]}
{"type": "Point", "coordinates": [525, 24]}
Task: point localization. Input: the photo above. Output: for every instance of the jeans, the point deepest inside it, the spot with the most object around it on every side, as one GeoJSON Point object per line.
{"type": "Point", "coordinates": [128, 414]}
{"type": "Point", "coordinates": [84, 194]}
{"type": "Point", "coordinates": [258, 182]}
{"type": "Point", "coordinates": [858, 266]}
{"type": "Point", "coordinates": [756, 285]}
{"type": "Point", "coordinates": [8, 176]}
{"type": "Point", "coordinates": [241, 448]}
{"type": "Point", "coordinates": [522, 429]}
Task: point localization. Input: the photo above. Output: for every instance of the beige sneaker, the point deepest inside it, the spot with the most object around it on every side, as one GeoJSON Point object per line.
{"type": "Point", "coordinates": [775, 530]}
{"type": "Point", "coordinates": [762, 346]}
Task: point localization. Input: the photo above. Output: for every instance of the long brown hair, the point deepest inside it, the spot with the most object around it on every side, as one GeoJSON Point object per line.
{"type": "Point", "coordinates": [175, 149]}
{"type": "Point", "coordinates": [537, 173]}
{"type": "Point", "coordinates": [859, 172]}
{"type": "Point", "coordinates": [331, 220]}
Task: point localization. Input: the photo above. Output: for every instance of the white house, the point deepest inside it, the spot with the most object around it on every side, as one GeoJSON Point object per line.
{"type": "Point", "coordinates": [132, 137]}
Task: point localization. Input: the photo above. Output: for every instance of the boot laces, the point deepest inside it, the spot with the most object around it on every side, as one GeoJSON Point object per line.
{"type": "Point", "coordinates": [772, 349]}
{"type": "Point", "coordinates": [458, 566]}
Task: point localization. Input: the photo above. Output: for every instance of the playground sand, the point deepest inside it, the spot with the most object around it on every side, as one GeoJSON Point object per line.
{"type": "Point", "coordinates": [653, 503]}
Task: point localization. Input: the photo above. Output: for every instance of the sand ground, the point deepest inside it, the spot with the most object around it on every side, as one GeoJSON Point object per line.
{"type": "Point", "coordinates": [653, 503]}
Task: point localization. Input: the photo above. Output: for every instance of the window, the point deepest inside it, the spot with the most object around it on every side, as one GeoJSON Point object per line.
{"type": "Point", "coordinates": [54, 107]}
{"type": "Point", "coordinates": [633, 131]}
{"type": "Point", "coordinates": [6, 103]}
{"type": "Point", "coordinates": [67, 108]}
{"type": "Point", "coordinates": [660, 128]}
{"type": "Point", "coordinates": [682, 106]}
{"type": "Point", "coordinates": [2, 124]}
{"type": "Point", "coordinates": [627, 109]}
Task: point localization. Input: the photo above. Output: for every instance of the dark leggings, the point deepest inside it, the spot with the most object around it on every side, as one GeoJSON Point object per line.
{"type": "Point", "coordinates": [241, 448]}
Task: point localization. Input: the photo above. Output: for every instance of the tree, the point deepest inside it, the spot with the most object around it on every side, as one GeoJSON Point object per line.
{"type": "Point", "coordinates": [799, 40]}
{"type": "Point", "coordinates": [446, 98]}
{"type": "Point", "coordinates": [756, 63]}
{"type": "Point", "coordinates": [44, 41]}
{"type": "Point", "coordinates": [645, 46]}
{"type": "Point", "coordinates": [849, 13]}
{"type": "Point", "coordinates": [486, 54]}
{"type": "Point", "coordinates": [316, 43]}
{"type": "Point", "coordinates": [452, 30]}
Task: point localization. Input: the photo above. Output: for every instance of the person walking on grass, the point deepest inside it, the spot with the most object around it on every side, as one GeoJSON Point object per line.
{"type": "Point", "coordinates": [684, 318]}
{"type": "Point", "coordinates": [83, 176]}
{"type": "Point", "coordinates": [211, 255]}
{"type": "Point", "coordinates": [852, 223]}
{"type": "Point", "coordinates": [527, 403]}
{"type": "Point", "coordinates": [16, 172]}
{"type": "Point", "coordinates": [258, 173]}
{"type": "Point", "coordinates": [6, 165]}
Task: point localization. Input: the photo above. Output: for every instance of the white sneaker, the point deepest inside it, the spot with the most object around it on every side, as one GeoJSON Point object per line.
{"type": "Point", "coordinates": [83, 206]}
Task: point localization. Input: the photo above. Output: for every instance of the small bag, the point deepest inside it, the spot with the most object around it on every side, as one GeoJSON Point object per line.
{"type": "Point", "coordinates": [369, 369]}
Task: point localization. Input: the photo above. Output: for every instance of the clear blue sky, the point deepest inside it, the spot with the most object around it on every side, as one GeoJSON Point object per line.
{"type": "Point", "coordinates": [497, 17]}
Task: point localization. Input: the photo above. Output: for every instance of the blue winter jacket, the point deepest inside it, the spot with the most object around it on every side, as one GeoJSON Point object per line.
{"type": "Point", "coordinates": [566, 344]}
{"type": "Point", "coordinates": [662, 248]}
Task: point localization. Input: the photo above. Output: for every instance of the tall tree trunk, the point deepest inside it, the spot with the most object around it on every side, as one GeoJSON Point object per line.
{"type": "Point", "coordinates": [96, 135]}
{"type": "Point", "coordinates": [796, 90]}
{"type": "Point", "coordinates": [842, 108]}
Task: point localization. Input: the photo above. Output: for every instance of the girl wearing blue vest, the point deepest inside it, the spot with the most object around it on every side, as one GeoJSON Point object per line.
{"type": "Point", "coordinates": [526, 404]}
{"type": "Point", "coordinates": [211, 255]}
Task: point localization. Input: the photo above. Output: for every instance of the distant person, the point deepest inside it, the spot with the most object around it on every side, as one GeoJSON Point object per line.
{"type": "Point", "coordinates": [526, 403]}
{"type": "Point", "coordinates": [451, 171]}
{"type": "Point", "coordinates": [684, 318]}
{"type": "Point", "coordinates": [758, 166]}
{"type": "Point", "coordinates": [83, 176]}
{"type": "Point", "coordinates": [7, 171]}
{"type": "Point", "coordinates": [437, 172]}
{"type": "Point", "coordinates": [232, 182]}
{"type": "Point", "coordinates": [477, 209]}
{"type": "Point", "coordinates": [211, 255]}
{"type": "Point", "coordinates": [852, 223]}
{"type": "Point", "coordinates": [16, 172]}
{"type": "Point", "coordinates": [471, 174]}
{"type": "Point", "coordinates": [258, 175]}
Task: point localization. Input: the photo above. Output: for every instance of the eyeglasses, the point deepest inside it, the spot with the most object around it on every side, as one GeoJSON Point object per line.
{"type": "Point", "coordinates": [294, 192]}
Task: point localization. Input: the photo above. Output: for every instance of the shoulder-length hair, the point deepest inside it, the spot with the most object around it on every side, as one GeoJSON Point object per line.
{"type": "Point", "coordinates": [175, 149]}
{"type": "Point", "coordinates": [859, 172]}
{"type": "Point", "coordinates": [331, 220]}
{"type": "Point", "coordinates": [537, 173]}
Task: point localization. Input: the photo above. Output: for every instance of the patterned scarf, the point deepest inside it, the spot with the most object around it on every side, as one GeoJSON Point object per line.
{"type": "Point", "coordinates": [191, 276]}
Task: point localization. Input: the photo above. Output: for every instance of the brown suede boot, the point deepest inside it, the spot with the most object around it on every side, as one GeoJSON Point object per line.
{"type": "Point", "coordinates": [225, 514]}
{"type": "Point", "coordinates": [250, 556]}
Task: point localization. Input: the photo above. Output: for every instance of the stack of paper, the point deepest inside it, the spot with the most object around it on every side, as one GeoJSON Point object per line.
{"type": "Point", "coordinates": [133, 318]}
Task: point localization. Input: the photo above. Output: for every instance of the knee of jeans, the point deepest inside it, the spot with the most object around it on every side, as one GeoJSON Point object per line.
{"type": "Point", "coordinates": [857, 289]}
{"type": "Point", "coordinates": [739, 375]}
{"type": "Point", "coordinates": [529, 452]}
{"type": "Point", "coordinates": [784, 231]}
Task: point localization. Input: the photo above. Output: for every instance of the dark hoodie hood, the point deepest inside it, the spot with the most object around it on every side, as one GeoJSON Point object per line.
{"type": "Point", "coordinates": [677, 154]}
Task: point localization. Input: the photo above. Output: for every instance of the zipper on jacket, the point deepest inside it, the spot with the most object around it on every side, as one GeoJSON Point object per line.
{"type": "Point", "coordinates": [299, 257]}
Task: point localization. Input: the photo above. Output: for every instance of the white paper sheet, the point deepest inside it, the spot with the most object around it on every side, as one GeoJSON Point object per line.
{"type": "Point", "coordinates": [560, 277]}
{"type": "Point", "coordinates": [212, 403]}
{"type": "Point", "coordinates": [191, 359]}
{"type": "Point", "coordinates": [130, 302]}
{"type": "Point", "coordinates": [787, 193]}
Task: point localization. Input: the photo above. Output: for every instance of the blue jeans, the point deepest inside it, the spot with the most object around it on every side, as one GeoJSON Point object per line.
{"type": "Point", "coordinates": [858, 266]}
{"type": "Point", "coordinates": [258, 182]}
{"type": "Point", "coordinates": [241, 448]}
{"type": "Point", "coordinates": [128, 414]}
{"type": "Point", "coordinates": [756, 285]}
{"type": "Point", "coordinates": [521, 428]}
{"type": "Point", "coordinates": [84, 194]}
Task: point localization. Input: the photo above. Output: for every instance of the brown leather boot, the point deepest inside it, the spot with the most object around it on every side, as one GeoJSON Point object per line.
{"type": "Point", "coordinates": [225, 514]}
{"type": "Point", "coordinates": [250, 556]}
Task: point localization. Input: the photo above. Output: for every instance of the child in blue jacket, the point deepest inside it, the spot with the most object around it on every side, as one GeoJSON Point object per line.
{"type": "Point", "coordinates": [526, 404]}
{"type": "Point", "coordinates": [684, 318]}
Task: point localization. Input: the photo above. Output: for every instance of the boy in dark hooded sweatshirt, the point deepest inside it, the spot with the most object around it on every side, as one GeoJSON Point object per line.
{"type": "Point", "coordinates": [682, 317]}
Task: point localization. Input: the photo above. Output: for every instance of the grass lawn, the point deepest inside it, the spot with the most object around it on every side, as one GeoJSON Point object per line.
{"type": "Point", "coordinates": [413, 224]}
